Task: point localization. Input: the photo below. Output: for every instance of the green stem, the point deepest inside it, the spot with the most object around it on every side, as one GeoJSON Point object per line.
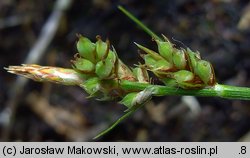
{"type": "Point", "coordinates": [233, 92]}
{"type": "Point", "coordinates": [223, 91]}
{"type": "Point", "coordinates": [139, 23]}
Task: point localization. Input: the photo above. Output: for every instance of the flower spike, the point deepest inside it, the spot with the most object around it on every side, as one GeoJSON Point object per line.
{"type": "Point", "coordinates": [47, 74]}
{"type": "Point", "coordinates": [178, 67]}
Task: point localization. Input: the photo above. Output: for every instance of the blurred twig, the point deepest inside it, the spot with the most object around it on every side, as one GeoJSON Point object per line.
{"type": "Point", "coordinates": [69, 123]}
{"type": "Point", "coordinates": [244, 23]}
{"type": "Point", "coordinates": [37, 51]}
{"type": "Point", "coordinates": [12, 21]}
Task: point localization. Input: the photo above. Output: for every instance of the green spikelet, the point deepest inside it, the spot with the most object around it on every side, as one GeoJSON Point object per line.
{"type": "Point", "coordinates": [205, 71]}
{"type": "Point", "coordinates": [84, 65]}
{"type": "Point", "coordinates": [102, 48]}
{"type": "Point", "coordinates": [179, 59]}
{"type": "Point", "coordinates": [165, 49]}
{"type": "Point", "coordinates": [104, 68]}
{"type": "Point", "coordinates": [86, 48]}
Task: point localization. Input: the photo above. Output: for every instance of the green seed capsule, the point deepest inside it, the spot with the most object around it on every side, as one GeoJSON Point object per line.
{"type": "Point", "coordinates": [183, 79]}
{"type": "Point", "coordinates": [160, 68]}
{"type": "Point", "coordinates": [192, 59]}
{"type": "Point", "coordinates": [180, 78]}
{"type": "Point", "coordinates": [170, 82]}
{"type": "Point", "coordinates": [101, 49]}
{"type": "Point", "coordinates": [165, 49]}
{"type": "Point", "coordinates": [162, 65]}
{"type": "Point", "coordinates": [153, 64]}
{"type": "Point", "coordinates": [183, 76]}
{"type": "Point", "coordinates": [86, 48]}
{"type": "Point", "coordinates": [204, 70]}
{"type": "Point", "coordinates": [84, 65]}
{"type": "Point", "coordinates": [179, 59]}
{"type": "Point", "coordinates": [104, 68]}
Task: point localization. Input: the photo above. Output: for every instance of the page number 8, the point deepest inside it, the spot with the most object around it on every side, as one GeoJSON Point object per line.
{"type": "Point", "coordinates": [243, 150]}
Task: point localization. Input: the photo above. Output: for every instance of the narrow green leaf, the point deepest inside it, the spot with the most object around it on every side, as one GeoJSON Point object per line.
{"type": "Point", "coordinates": [139, 23]}
{"type": "Point", "coordinates": [126, 115]}
{"type": "Point", "coordinates": [155, 55]}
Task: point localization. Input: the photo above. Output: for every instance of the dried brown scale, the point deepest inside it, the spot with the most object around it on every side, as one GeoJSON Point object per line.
{"type": "Point", "coordinates": [47, 73]}
{"type": "Point", "coordinates": [144, 75]}
{"type": "Point", "coordinates": [187, 67]}
{"type": "Point", "coordinates": [124, 73]}
{"type": "Point", "coordinates": [212, 79]}
{"type": "Point", "coordinates": [112, 89]}
{"type": "Point", "coordinates": [107, 51]}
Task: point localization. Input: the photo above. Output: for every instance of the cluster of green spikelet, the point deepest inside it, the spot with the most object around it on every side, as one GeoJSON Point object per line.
{"type": "Point", "coordinates": [178, 67]}
{"type": "Point", "coordinates": [102, 70]}
{"type": "Point", "coordinates": [99, 71]}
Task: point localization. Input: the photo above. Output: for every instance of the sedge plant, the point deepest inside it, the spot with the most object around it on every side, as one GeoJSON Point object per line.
{"type": "Point", "coordinates": [101, 73]}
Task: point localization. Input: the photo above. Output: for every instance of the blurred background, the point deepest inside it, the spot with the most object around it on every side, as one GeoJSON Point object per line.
{"type": "Point", "coordinates": [44, 32]}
